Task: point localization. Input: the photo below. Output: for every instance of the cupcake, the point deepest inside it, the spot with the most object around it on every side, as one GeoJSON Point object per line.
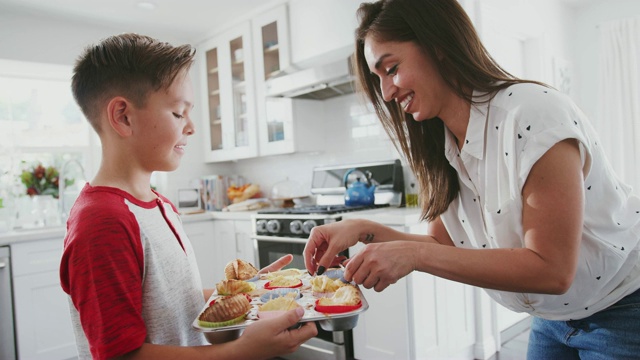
{"type": "Point", "coordinates": [323, 286]}
{"type": "Point", "coordinates": [240, 270]}
{"type": "Point", "coordinates": [283, 282]}
{"type": "Point", "coordinates": [346, 298]}
{"type": "Point", "coordinates": [225, 311]}
{"type": "Point", "coordinates": [296, 273]}
{"type": "Point", "coordinates": [278, 306]}
{"type": "Point", "coordinates": [232, 287]}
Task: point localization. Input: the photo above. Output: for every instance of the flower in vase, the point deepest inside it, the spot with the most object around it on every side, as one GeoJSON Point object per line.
{"type": "Point", "coordinates": [42, 181]}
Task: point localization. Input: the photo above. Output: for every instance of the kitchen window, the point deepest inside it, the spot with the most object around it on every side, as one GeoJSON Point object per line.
{"type": "Point", "coordinates": [39, 122]}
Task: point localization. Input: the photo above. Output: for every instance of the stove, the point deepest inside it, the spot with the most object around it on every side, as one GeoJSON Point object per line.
{"type": "Point", "coordinates": [281, 231]}
{"type": "Point", "coordinates": [297, 222]}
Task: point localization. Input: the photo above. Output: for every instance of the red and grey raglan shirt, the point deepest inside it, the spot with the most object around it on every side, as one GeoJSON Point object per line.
{"type": "Point", "coordinates": [130, 273]}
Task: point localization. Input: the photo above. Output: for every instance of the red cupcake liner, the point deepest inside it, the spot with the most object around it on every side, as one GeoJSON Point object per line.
{"type": "Point", "coordinates": [336, 309]}
{"type": "Point", "coordinates": [268, 286]}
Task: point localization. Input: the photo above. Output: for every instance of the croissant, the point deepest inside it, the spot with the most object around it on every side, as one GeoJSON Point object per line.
{"type": "Point", "coordinates": [232, 287]}
{"type": "Point", "coordinates": [346, 295]}
{"type": "Point", "coordinates": [239, 270]}
{"type": "Point", "coordinates": [226, 308]}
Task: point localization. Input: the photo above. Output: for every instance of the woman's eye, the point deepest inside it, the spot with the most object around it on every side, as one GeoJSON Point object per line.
{"type": "Point", "coordinates": [178, 116]}
{"type": "Point", "coordinates": [393, 70]}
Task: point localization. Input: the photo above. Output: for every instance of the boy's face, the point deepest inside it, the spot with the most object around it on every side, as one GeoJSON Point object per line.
{"type": "Point", "coordinates": [163, 125]}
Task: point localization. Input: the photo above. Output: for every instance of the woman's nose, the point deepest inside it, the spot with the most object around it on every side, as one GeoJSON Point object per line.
{"type": "Point", "coordinates": [388, 89]}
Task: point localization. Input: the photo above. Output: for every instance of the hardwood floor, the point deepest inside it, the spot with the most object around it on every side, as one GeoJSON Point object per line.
{"type": "Point", "coordinates": [517, 340]}
{"type": "Point", "coordinates": [514, 349]}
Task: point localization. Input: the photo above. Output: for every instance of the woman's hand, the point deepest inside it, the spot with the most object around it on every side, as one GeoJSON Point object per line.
{"type": "Point", "coordinates": [268, 338]}
{"type": "Point", "coordinates": [380, 265]}
{"type": "Point", "coordinates": [327, 241]}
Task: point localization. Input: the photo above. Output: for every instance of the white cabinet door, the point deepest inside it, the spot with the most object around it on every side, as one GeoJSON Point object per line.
{"type": "Point", "coordinates": [43, 320]}
{"type": "Point", "coordinates": [245, 248]}
{"type": "Point", "coordinates": [382, 331]}
{"type": "Point", "coordinates": [228, 95]}
{"type": "Point", "coordinates": [322, 31]}
{"type": "Point", "coordinates": [213, 242]}
{"type": "Point", "coordinates": [201, 236]}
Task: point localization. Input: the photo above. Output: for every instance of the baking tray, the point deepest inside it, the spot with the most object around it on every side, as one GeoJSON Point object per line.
{"type": "Point", "coordinates": [328, 322]}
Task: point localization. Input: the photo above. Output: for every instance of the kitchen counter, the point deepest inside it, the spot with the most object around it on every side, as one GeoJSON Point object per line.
{"type": "Point", "coordinates": [387, 216]}
{"type": "Point", "coordinates": [23, 235]}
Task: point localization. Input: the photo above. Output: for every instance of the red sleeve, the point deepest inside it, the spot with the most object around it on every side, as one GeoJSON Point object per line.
{"type": "Point", "coordinates": [101, 269]}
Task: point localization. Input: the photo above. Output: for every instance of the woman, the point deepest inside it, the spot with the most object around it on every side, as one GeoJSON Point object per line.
{"type": "Point", "coordinates": [519, 196]}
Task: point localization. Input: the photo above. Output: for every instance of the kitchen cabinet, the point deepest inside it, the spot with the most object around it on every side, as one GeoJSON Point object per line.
{"type": "Point", "coordinates": [419, 317]}
{"type": "Point", "coordinates": [322, 31]}
{"type": "Point", "coordinates": [43, 321]}
{"type": "Point", "coordinates": [382, 331]}
{"type": "Point", "coordinates": [213, 242]}
{"type": "Point", "coordinates": [245, 248]}
{"type": "Point", "coordinates": [216, 242]}
{"type": "Point", "coordinates": [271, 44]}
{"type": "Point", "coordinates": [201, 236]}
{"type": "Point", "coordinates": [228, 94]}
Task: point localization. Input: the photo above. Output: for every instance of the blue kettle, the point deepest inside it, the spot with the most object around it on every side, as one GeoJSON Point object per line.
{"type": "Point", "coordinates": [359, 193]}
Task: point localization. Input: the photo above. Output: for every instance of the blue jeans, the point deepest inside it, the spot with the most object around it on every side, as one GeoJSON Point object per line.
{"type": "Point", "coordinates": [613, 333]}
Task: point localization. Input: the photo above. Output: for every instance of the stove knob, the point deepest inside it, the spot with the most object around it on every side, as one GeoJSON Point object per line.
{"type": "Point", "coordinates": [273, 226]}
{"type": "Point", "coordinates": [296, 227]}
{"type": "Point", "coordinates": [261, 226]}
{"type": "Point", "coordinates": [308, 225]}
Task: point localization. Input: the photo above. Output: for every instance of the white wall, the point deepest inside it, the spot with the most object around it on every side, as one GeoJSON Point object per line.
{"type": "Point", "coordinates": [566, 34]}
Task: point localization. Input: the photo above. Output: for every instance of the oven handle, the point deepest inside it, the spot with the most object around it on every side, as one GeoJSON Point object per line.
{"type": "Point", "coordinates": [279, 239]}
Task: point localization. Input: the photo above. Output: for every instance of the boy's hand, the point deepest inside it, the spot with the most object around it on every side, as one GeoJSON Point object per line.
{"type": "Point", "coordinates": [277, 265]}
{"type": "Point", "coordinates": [268, 338]}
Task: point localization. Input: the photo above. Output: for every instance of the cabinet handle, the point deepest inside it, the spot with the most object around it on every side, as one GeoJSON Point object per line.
{"type": "Point", "coordinates": [3, 265]}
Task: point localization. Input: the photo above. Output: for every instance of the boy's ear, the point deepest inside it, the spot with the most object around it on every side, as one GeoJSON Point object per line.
{"type": "Point", "coordinates": [118, 111]}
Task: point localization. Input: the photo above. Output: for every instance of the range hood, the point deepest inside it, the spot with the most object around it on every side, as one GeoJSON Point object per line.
{"type": "Point", "coordinates": [318, 83]}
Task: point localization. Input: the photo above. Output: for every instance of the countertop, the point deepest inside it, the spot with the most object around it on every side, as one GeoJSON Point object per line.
{"type": "Point", "coordinates": [387, 216]}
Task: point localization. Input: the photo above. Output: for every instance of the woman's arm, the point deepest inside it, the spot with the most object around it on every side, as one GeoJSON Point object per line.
{"type": "Point", "coordinates": [552, 219]}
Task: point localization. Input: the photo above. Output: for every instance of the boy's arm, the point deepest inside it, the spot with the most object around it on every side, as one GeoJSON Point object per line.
{"type": "Point", "coordinates": [263, 339]}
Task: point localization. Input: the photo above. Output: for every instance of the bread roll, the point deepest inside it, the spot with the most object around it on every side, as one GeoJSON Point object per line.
{"type": "Point", "coordinates": [226, 308]}
{"type": "Point", "coordinates": [239, 270]}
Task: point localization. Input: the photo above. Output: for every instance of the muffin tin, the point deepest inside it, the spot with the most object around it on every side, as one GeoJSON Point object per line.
{"type": "Point", "coordinates": [328, 322]}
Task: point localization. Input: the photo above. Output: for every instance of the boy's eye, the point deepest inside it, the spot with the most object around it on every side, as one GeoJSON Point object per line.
{"type": "Point", "coordinates": [393, 70]}
{"type": "Point", "coordinates": [178, 116]}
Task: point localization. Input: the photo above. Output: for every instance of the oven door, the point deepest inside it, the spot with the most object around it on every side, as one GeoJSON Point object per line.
{"type": "Point", "coordinates": [327, 344]}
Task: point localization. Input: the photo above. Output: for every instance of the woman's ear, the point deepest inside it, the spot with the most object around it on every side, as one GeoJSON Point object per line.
{"type": "Point", "coordinates": [118, 111]}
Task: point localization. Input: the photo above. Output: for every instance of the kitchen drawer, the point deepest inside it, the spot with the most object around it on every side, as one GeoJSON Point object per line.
{"type": "Point", "coordinates": [36, 256]}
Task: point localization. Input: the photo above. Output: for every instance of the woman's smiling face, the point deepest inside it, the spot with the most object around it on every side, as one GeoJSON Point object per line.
{"type": "Point", "coordinates": [408, 76]}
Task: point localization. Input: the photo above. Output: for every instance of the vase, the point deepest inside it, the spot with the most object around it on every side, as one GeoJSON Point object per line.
{"type": "Point", "coordinates": [44, 211]}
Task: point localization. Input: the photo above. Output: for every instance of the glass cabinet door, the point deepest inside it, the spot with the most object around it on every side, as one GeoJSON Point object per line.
{"type": "Point", "coordinates": [213, 92]}
{"type": "Point", "coordinates": [271, 36]}
{"type": "Point", "coordinates": [238, 77]}
{"type": "Point", "coordinates": [230, 120]}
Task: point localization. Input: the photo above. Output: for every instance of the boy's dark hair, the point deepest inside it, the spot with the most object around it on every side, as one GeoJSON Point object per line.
{"type": "Point", "coordinates": [128, 65]}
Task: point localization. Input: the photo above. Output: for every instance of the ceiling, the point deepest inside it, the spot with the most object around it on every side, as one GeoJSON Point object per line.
{"type": "Point", "coordinates": [184, 19]}
{"type": "Point", "coordinates": [188, 20]}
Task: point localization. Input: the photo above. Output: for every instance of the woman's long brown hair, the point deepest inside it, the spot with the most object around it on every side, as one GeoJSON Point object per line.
{"type": "Point", "coordinates": [439, 27]}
